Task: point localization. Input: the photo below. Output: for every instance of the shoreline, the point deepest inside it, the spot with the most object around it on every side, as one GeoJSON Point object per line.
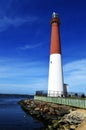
{"type": "Point", "coordinates": [53, 115]}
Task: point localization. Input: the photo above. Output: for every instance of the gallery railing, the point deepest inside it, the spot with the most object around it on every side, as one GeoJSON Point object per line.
{"type": "Point", "coordinates": [60, 94]}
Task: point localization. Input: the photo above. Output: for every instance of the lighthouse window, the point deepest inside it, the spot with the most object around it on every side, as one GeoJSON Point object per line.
{"type": "Point", "coordinates": [51, 62]}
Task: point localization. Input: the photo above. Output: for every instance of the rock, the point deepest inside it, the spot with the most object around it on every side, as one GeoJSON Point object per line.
{"type": "Point", "coordinates": [49, 113]}
{"type": "Point", "coordinates": [47, 117]}
{"type": "Point", "coordinates": [54, 117]}
{"type": "Point", "coordinates": [63, 112]}
{"type": "Point", "coordinates": [62, 122]}
{"type": "Point", "coordinates": [37, 109]}
{"type": "Point", "coordinates": [51, 109]}
{"type": "Point", "coordinates": [57, 112]}
{"type": "Point", "coordinates": [69, 121]}
{"type": "Point", "coordinates": [28, 106]}
{"type": "Point", "coordinates": [55, 106]}
{"type": "Point", "coordinates": [42, 104]}
{"type": "Point", "coordinates": [72, 127]}
{"type": "Point", "coordinates": [66, 127]}
{"type": "Point", "coordinates": [50, 127]}
{"type": "Point", "coordinates": [35, 113]}
{"type": "Point", "coordinates": [46, 109]}
{"type": "Point", "coordinates": [55, 124]}
{"type": "Point", "coordinates": [54, 121]}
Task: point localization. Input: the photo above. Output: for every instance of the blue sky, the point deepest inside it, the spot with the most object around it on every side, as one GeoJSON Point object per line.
{"type": "Point", "coordinates": [25, 43]}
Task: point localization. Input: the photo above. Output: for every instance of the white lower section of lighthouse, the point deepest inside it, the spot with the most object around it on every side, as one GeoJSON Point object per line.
{"type": "Point", "coordinates": [55, 81]}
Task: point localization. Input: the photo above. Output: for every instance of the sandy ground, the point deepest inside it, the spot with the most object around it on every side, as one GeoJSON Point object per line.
{"type": "Point", "coordinates": [82, 126]}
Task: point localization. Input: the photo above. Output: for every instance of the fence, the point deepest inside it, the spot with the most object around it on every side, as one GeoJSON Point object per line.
{"type": "Point", "coordinates": [74, 102]}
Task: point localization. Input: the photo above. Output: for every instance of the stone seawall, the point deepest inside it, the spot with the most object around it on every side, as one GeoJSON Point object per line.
{"type": "Point", "coordinates": [53, 116]}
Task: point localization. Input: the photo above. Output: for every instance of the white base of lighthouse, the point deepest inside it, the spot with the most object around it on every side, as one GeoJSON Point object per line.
{"type": "Point", "coordinates": [55, 81]}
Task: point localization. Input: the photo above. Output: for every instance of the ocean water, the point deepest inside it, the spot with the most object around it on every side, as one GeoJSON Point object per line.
{"type": "Point", "coordinates": [12, 117]}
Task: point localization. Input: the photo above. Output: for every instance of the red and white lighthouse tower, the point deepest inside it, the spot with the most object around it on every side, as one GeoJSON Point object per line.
{"type": "Point", "coordinates": [55, 81]}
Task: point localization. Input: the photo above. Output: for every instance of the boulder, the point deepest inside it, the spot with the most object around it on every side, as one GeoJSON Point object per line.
{"type": "Point", "coordinates": [50, 127]}
{"type": "Point", "coordinates": [72, 127]}
{"type": "Point", "coordinates": [37, 109]}
{"type": "Point", "coordinates": [46, 109]}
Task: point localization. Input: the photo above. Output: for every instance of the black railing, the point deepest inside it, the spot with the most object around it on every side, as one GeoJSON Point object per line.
{"type": "Point", "coordinates": [41, 93]}
{"type": "Point", "coordinates": [60, 94]}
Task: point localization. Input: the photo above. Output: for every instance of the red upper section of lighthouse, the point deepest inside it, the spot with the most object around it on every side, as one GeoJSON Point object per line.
{"type": "Point", "coordinates": [55, 35]}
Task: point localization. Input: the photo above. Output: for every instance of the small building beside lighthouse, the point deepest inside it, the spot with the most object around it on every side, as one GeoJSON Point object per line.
{"type": "Point", "coordinates": [55, 78]}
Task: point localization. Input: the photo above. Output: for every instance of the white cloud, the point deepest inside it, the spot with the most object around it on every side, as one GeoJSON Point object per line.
{"type": "Point", "coordinates": [22, 77]}
{"type": "Point", "coordinates": [27, 77]}
{"type": "Point", "coordinates": [30, 46]}
{"type": "Point", "coordinates": [23, 88]}
{"type": "Point", "coordinates": [12, 69]}
{"type": "Point", "coordinates": [5, 21]}
{"type": "Point", "coordinates": [11, 14]}
{"type": "Point", "coordinates": [75, 75]}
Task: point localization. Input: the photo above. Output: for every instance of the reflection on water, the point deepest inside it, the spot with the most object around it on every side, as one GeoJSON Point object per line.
{"type": "Point", "coordinates": [12, 117]}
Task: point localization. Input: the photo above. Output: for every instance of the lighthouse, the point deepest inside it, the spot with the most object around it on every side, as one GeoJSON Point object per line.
{"type": "Point", "coordinates": [55, 79]}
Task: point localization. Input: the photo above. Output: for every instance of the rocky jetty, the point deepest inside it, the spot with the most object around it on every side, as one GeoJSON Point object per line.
{"type": "Point", "coordinates": [54, 116]}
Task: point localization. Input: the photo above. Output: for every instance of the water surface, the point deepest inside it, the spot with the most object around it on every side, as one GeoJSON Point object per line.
{"type": "Point", "coordinates": [12, 117]}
